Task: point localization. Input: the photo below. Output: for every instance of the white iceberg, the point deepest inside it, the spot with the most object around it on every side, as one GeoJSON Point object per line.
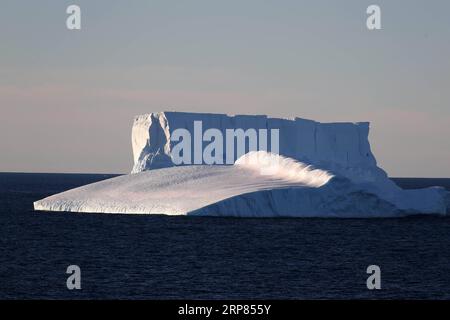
{"type": "Point", "coordinates": [323, 170]}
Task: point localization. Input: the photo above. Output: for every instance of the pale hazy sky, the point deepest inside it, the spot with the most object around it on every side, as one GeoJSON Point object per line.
{"type": "Point", "coordinates": [67, 98]}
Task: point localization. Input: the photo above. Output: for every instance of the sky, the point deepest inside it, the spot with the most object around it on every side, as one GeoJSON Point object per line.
{"type": "Point", "coordinates": [68, 97]}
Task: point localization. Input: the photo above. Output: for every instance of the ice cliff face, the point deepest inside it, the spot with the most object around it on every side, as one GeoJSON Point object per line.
{"type": "Point", "coordinates": [341, 147]}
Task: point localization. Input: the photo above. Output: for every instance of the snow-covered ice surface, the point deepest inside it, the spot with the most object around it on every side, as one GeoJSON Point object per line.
{"type": "Point", "coordinates": [259, 184]}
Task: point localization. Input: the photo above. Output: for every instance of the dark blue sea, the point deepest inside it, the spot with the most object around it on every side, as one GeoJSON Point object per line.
{"type": "Point", "coordinates": [161, 257]}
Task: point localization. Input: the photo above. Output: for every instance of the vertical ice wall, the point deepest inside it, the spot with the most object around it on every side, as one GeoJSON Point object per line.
{"type": "Point", "coordinates": [340, 147]}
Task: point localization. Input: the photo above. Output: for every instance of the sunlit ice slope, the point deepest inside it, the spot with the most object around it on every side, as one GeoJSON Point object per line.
{"type": "Point", "coordinates": [259, 184]}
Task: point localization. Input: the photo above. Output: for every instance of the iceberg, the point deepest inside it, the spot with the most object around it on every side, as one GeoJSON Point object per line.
{"type": "Point", "coordinates": [320, 170]}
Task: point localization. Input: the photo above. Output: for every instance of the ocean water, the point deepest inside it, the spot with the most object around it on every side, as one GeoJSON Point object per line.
{"type": "Point", "coordinates": [160, 257]}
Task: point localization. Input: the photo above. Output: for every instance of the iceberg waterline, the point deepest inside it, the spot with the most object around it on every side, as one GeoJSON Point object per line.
{"type": "Point", "coordinates": [333, 175]}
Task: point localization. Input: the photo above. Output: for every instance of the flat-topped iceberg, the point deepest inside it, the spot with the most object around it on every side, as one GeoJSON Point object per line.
{"type": "Point", "coordinates": [322, 170]}
{"type": "Point", "coordinates": [342, 147]}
